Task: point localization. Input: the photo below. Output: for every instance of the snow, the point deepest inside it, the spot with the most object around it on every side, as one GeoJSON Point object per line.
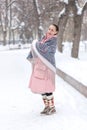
{"type": "Point", "coordinates": [79, 9]}
{"type": "Point", "coordinates": [37, 5]}
{"type": "Point", "coordinates": [40, 27]}
{"type": "Point", "coordinates": [20, 108]}
{"type": "Point", "coordinates": [65, 1]}
{"type": "Point", "coordinates": [78, 67]}
{"type": "Point", "coordinates": [62, 12]}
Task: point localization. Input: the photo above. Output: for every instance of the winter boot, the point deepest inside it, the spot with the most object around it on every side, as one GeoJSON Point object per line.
{"type": "Point", "coordinates": [46, 104]}
{"type": "Point", "coordinates": [51, 109]}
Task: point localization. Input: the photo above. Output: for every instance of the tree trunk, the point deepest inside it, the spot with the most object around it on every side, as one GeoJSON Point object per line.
{"type": "Point", "coordinates": [77, 34]}
{"type": "Point", "coordinates": [6, 23]}
{"type": "Point", "coordinates": [38, 17]}
{"type": "Point", "coordinates": [62, 24]}
{"type": "Point", "coordinates": [77, 31]}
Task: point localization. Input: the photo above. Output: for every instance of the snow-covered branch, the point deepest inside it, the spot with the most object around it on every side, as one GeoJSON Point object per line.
{"type": "Point", "coordinates": [79, 9]}
{"type": "Point", "coordinates": [84, 7]}
{"type": "Point", "coordinates": [65, 1]}
{"type": "Point", "coordinates": [62, 12]}
{"type": "Point", "coordinates": [38, 10]}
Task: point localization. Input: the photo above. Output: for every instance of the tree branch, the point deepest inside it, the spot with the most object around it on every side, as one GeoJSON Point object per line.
{"type": "Point", "coordinates": [11, 3]}
{"type": "Point", "coordinates": [84, 8]}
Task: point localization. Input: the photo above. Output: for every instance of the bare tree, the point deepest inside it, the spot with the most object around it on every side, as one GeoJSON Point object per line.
{"type": "Point", "coordinates": [4, 19]}
{"type": "Point", "coordinates": [71, 8]}
{"type": "Point", "coordinates": [33, 18]}
{"type": "Point", "coordinates": [63, 17]}
{"type": "Point", "coordinates": [38, 17]}
{"type": "Point", "coordinates": [78, 18]}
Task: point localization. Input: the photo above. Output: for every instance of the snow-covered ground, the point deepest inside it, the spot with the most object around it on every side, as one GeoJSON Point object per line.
{"type": "Point", "coordinates": [76, 68]}
{"type": "Point", "coordinates": [20, 108]}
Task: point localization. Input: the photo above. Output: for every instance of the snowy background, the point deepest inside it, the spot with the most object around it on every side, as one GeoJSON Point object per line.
{"type": "Point", "coordinates": [20, 108]}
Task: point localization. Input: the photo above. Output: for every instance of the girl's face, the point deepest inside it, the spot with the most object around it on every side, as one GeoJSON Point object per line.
{"type": "Point", "coordinates": [51, 30]}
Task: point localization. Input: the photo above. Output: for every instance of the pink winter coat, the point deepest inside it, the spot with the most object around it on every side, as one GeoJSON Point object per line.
{"type": "Point", "coordinates": [42, 79]}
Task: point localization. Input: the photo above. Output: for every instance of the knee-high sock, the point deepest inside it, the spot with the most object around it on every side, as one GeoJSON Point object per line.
{"type": "Point", "coordinates": [50, 101]}
{"type": "Point", "coordinates": [45, 100]}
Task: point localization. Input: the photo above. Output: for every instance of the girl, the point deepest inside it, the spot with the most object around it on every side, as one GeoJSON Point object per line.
{"type": "Point", "coordinates": [42, 57]}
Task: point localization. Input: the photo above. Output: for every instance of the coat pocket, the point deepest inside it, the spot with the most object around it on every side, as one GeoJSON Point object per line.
{"type": "Point", "coordinates": [39, 71]}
